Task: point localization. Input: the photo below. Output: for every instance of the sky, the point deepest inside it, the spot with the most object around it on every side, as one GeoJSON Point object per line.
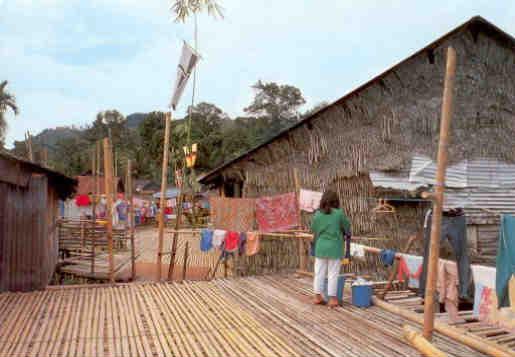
{"type": "Point", "coordinates": [66, 60]}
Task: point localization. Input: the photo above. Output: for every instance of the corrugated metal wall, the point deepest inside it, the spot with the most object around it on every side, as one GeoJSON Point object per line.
{"type": "Point", "coordinates": [28, 240]}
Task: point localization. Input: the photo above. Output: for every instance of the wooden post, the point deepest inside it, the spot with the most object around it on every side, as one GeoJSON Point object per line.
{"type": "Point", "coordinates": [164, 179]}
{"type": "Point", "coordinates": [178, 218]}
{"type": "Point", "coordinates": [44, 157]}
{"type": "Point", "coordinates": [131, 218]}
{"type": "Point", "coordinates": [434, 247]}
{"type": "Point", "coordinates": [108, 175]}
{"type": "Point", "coordinates": [185, 263]}
{"type": "Point", "coordinates": [302, 247]}
{"type": "Point", "coordinates": [28, 142]}
{"type": "Point", "coordinates": [94, 208]}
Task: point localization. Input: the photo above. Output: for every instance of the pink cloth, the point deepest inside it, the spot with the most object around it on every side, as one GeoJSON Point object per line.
{"type": "Point", "coordinates": [309, 201]}
{"type": "Point", "coordinates": [252, 244]}
{"type": "Point", "coordinates": [277, 213]}
{"type": "Point", "coordinates": [447, 287]}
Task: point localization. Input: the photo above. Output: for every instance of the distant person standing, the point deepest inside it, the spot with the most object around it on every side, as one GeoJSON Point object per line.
{"type": "Point", "coordinates": [329, 227]}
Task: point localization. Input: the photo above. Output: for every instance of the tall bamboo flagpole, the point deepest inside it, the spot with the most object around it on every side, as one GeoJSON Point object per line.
{"type": "Point", "coordinates": [162, 201]}
{"type": "Point", "coordinates": [108, 175]}
{"type": "Point", "coordinates": [436, 224]}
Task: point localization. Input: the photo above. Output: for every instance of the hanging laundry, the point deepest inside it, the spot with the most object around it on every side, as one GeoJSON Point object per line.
{"type": "Point", "coordinates": [277, 213]}
{"type": "Point", "coordinates": [387, 257]}
{"type": "Point", "coordinates": [231, 241]}
{"type": "Point", "coordinates": [234, 214]}
{"type": "Point", "coordinates": [410, 266]}
{"type": "Point", "coordinates": [218, 237]}
{"type": "Point", "coordinates": [122, 210]}
{"type": "Point", "coordinates": [82, 200]}
{"type": "Point", "coordinates": [242, 244]}
{"type": "Point", "coordinates": [453, 236]}
{"type": "Point", "coordinates": [252, 243]}
{"type": "Point", "coordinates": [505, 259]}
{"type": "Point", "coordinates": [447, 287]}
{"type": "Point", "coordinates": [357, 250]}
{"type": "Point", "coordinates": [483, 276]}
{"type": "Point", "coordinates": [206, 240]}
{"type": "Point", "coordinates": [309, 201]}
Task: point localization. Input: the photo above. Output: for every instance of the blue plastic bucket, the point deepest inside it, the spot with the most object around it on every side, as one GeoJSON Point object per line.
{"type": "Point", "coordinates": [339, 289]}
{"type": "Point", "coordinates": [362, 295]}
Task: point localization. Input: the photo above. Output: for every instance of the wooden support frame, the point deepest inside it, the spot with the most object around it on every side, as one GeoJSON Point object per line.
{"type": "Point", "coordinates": [302, 246]}
{"type": "Point", "coordinates": [436, 222]}
{"type": "Point", "coordinates": [108, 176]}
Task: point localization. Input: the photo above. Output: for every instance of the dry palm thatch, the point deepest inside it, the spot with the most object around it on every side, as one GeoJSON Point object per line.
{"type": "Point", "coordinates": [185, 8]}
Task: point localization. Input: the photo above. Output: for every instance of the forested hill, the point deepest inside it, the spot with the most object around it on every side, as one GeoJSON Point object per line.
{"type": "Point", "coordinates": [139, 136]}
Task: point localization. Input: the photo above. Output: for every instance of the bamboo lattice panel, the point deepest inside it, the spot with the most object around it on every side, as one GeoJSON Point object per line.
{"type": "Point", "coordinates": [265, 316]}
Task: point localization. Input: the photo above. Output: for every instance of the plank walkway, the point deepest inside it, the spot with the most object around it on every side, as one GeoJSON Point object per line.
{"type": "Point", "coordinates": [258, 316]}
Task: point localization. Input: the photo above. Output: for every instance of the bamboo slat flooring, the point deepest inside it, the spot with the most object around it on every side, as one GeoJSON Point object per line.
{"type": "Point", "coordinates": [260, 316]}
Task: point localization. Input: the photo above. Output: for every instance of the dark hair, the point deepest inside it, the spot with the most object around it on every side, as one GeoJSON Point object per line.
{"type": "Point", "coordinates": [329, 201]}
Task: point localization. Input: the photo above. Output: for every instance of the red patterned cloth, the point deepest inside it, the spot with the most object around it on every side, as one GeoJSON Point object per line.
{"type": "Point", "coordinates": [277, 213]}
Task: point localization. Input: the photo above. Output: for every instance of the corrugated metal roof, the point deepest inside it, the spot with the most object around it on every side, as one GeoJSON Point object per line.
{"type": "Point", "coordinates": [468, 173]}
{"type": "Point", "coordinates": [396, 182]}
{"type": "Point", "coordinates": [481, 200]}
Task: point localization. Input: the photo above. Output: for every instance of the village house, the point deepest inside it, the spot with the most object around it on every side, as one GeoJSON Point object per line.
{"type": "Point", "coordinates": [380, 141]}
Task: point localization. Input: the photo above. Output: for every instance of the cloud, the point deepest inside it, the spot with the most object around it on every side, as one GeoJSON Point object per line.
{"type": "Point", "coordinates": [68, 59]}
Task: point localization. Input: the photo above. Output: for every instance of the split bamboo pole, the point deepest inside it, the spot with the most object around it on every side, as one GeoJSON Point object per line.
{"type": "Point", "coordinates": [178, 217]}
{"type": "Point", "coordinates": [456, 334]}
{"type": "Point", "coordinates": [108, 176]}
{"type": "Point", "coordinates": [301, 243]}
{"type": "Point", "coordinates": [421, 344]}
{"type": "Point", "coordinates": [94, 164]}
{"type": "Point", "coordinates": [162, 200]}
{"type": "Point", "coordinates": [131, 218]}
{"type": "Point", "coordinates": [436, 223]}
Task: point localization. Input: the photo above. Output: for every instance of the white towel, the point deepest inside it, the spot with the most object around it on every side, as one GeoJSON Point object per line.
{"type": "Point", "coordinates": [309, 201]}
{"type": "Point", "coordinates": [483, 275]}
{"type": "Point", "coordinates": [218, 237]}
{"type": "Point", "coordinates": [357, 250]}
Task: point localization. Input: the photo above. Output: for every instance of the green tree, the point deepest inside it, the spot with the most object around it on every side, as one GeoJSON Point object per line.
{"type": "Point", "coordinates": [278, 104]}
{"type": "Point", "coordinates": [7, 101]}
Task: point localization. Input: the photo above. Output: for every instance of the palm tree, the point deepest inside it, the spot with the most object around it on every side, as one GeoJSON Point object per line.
{"type": "Point", "coordinates": [7, 101]}
{"type": "Point", "coordinates": [185, 8]}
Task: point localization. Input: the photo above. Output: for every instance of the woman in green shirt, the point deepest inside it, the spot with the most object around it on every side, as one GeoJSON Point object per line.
{"type": "Point", "coordinates": [329, 226]}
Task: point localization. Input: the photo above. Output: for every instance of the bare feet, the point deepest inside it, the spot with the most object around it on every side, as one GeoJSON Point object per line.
{"type": "Point", "coordinates": [333, 302]}
{"type": "Point", "coordinates": [318, 300]}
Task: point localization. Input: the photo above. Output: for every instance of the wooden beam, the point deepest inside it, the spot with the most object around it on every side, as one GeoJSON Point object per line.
{"type": "Point", "coordinates": [436, 223]}
{"type": "Point", "coordinates": [131, 218]}
{"type": "Point", "coordinates": [94, 164]}
{"type": "Point", "coordinates": [421, 344]}
{"type": "Point", "coordinates": [164, 180]}
{"type": "Point", "coordinates": [108, 176]}
{"type": "Point", "coordinates": [178, 218]}
{"type": "Point", "coordinates": [483, 346]}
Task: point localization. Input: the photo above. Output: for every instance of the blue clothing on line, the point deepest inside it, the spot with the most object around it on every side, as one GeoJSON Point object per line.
{"type": "Point", "coordinates": [206, 240]}
{"type": "Point", "coordinates": [387, 257]}
{"type": "Point", "coordinates": [505, 259]}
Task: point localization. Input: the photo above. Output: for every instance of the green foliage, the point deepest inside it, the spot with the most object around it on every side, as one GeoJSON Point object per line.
{"type": "Point", "coordinates": [140, 136]}
{"type": "Point", "coordinates": [7, 101]}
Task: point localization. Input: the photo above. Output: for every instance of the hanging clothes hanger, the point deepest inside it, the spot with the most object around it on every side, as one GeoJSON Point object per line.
{"type": "Point", "coordinates": [383, 207]}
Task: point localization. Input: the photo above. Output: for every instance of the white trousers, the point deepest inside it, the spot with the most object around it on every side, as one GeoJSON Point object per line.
{"type": "Point", "coordinates": [326, 268]}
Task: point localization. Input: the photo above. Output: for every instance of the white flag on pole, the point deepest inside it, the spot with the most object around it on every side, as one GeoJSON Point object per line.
{"type": "Point", "coordinates": [189, 59]}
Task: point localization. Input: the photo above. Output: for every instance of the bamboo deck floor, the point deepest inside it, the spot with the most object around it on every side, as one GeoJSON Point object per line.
{"type": "Point", "coordinates": [258, 316]}
{"type": "Point", "coordinates": [503, 337]}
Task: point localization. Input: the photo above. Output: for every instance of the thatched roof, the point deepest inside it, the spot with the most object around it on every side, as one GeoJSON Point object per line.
{"type": "Point", "coordinates": [396, 156]}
